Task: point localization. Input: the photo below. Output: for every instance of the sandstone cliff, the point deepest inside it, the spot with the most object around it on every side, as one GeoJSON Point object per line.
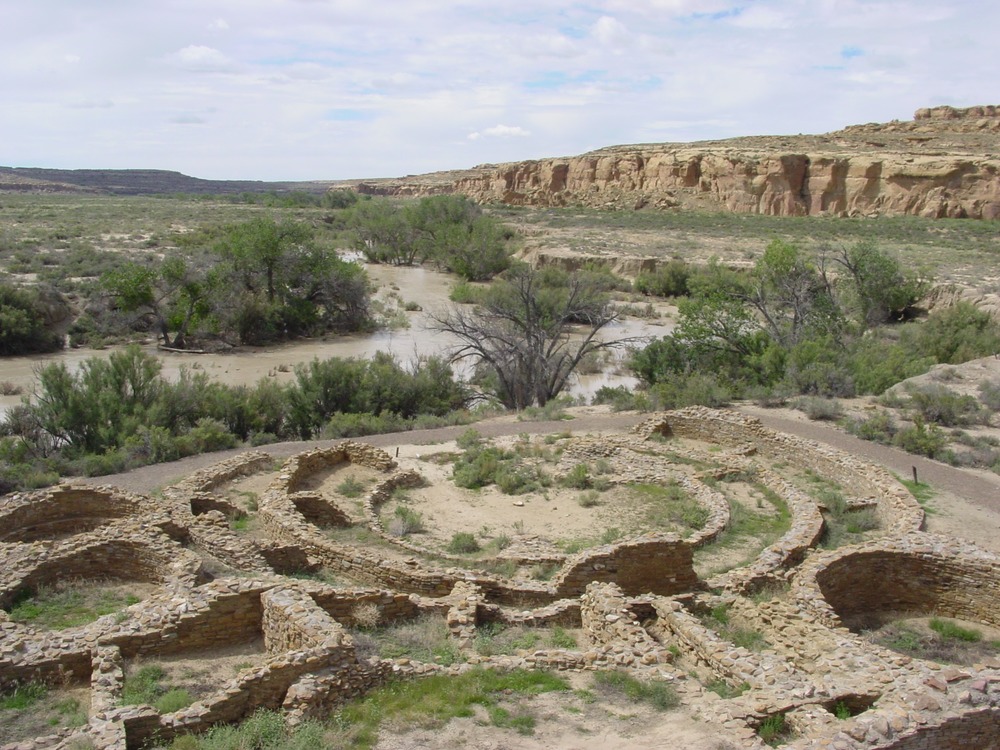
{"type": "Point", "coordinates": [944, 163]}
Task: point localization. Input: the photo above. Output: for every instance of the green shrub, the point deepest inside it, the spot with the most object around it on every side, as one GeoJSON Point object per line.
{"type": "Point", "coordinates": [690, 389]}
{"type": "Point", "coordinates": [621, 398]}
{"type": "Point", "coordinates": [668, 280]}
{"type": "Point", "coordinates": [820, 409]}
{"type": "Point", "coordinates": [578, 477]}
{"type": "Point", "coordinates": [880, 427]}
{"type": "Point", "coordinates": [463, 543]}
{"type": "Point", "coordinates": [989, 394]}
{"type": "Point", "coordinates": [406, 521]}
{"type": "Point", "coordinates": [956, 334]}
{"type": "Point", "coordinates": [659, 695]}
{"type": "Point", "coordinates": [22, 325]}
{"type": "Point", "coordinates": [923, 440]}
{"type": "Point", "coordinates": [949, 629]}
{"type": "Point", "coordinates": [773, 729]}
{"type": "Point", "coordinates": [469, 439]}
{"type": "Point", "coordinates": [943, 406]}
{"type": "Point", "coordinates": [173, 700]}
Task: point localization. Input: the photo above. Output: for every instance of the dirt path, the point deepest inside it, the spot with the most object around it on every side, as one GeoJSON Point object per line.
{"type": "Point", "coordinates": [151, 478]}
{"type": "Point", "coordinates": [978, 488]}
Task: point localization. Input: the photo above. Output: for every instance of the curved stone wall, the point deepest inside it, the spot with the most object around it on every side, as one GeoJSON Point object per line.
{"type": "Point", "coordinates": [915, 575]}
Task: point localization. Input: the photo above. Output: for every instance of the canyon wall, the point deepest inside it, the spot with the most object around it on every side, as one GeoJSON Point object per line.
{"type": "Point", "coordinates": [944, 163]}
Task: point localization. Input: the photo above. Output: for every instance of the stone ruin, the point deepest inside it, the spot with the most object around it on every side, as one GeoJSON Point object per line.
{"type": "Point", "coordinates": [637, 601]}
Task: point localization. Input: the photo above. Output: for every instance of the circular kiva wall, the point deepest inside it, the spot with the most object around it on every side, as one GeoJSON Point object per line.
{"type": "Point", "coordinates": [869, 586]}
{"type": "Point", "coordinates": [61, 512]}
{"type": "Point", "coordinates": [100, 561]}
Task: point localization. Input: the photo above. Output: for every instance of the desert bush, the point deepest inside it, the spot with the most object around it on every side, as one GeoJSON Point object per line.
{"type": "Point", "coordinates": [922, 439]}
{"type": "Point", "coordinates": [22, 325]}
{"type": "Point", "coordinates": [820, 409]}
{"type": "Point", "coordinates": [463, 543]}
{"type": "Point", "coordinates": [690, 389]}
{"type": "Point", "coordinates": [366, 615]}
{"type": "Point", "coordinates": [940, 405]}
{"type": "Point", "coordinates": [957, 334]}
{"type": "Point", "coordinates": [578, 477]}
{"type": "Point", "coordinates": [668, 280]}
{"type": "Point", "coordinates": [406, 521]}
{"type": "Point", "coordinates": [880, 427]}
{"type": "Point", "coordinates": [989, 394]}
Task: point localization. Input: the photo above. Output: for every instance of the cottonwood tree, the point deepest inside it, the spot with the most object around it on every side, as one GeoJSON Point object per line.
{"type": "Point", "coordinates": [879, 288]}
{"type": "Point", "coordinates": [174, 294]}
{"type": "Point", "coordinates": [274, 282]}
{"type": "Point", "coordinates": [530, 332]}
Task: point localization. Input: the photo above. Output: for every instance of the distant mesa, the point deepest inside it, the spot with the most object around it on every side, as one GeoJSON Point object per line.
{"type": "Point", "coordinates": [945, 163]}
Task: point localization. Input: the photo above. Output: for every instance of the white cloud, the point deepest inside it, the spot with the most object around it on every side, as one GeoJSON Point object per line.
{"type": "Point", "coordinates": [611, 32]}
{"type": "Point", "coordinates": [201, 59]}
{"type": "Point", "coordinates": [757, 17]}
{"type": "Point", "coordinates": [111, 84]}
{"type": "Point", "coordinates": [92, 104]}
{"type": "Point", "coordinates": [499, 131]}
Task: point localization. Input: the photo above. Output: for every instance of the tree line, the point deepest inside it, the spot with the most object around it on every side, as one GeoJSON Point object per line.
{"type": "Point", "coordinates": [120, 412]}
{"type": "Point", "coordinates": [264, 280]}
{"type": "Point", "coordinates": [836, 324]}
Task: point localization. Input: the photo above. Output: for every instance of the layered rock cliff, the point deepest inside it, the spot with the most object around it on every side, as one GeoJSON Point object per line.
{"type": "Point", "coordinates": [943, 163]}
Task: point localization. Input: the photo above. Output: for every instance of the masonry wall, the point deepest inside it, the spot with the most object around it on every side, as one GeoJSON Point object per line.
{"type": "Point", "coordinates": [883, 581]}
{"type": "Point", "coordinates": [975, 730]}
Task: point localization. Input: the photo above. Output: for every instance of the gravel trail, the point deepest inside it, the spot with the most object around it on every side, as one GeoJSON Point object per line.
{"type": "Point", "coordinates": [980, 488]}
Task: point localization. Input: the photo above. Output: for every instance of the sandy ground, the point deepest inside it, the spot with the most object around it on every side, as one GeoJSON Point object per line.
{"type": "Point", "coordinates": [966, 504]}
{"type": "Point", "coordinates": [566, 721]}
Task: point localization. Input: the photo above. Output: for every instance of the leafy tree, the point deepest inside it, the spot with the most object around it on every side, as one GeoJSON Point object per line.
{"type": "Point", "coordinates": [451, 229]}
{"type": "Point", "coordinates": [879, 288]}
{"type": "Point", "coordinates": [276, 283]}
{"type": "Point", "coordinates": [521, 336]}
{"type": "Point", "coordinates": [175, 294]}
{"type": "Point", "coordinates": [22, 325]}
{"type": "Point", "coordinates": [383, 233]}
{"type": "Point", "coordinates": [791, 296]}
{"type": "Point", "coordinates": [258, 252]}
{"type": "Point", "coordinates": [955, 334]}
{"type": "Point", "coordinates": [96, 408]}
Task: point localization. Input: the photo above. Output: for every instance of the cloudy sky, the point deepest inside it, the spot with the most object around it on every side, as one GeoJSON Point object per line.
{"type": "Point", "coordinates": [339, 89]}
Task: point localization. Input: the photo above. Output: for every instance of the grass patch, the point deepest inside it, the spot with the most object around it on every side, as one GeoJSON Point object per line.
{"type": "Point", "coordinates": [23, 696]}
{"type": "Point", "coordinates": [31, 709]}
{"type": "Point", "coordinates": [922, 492]}
{"type": "Point", "coordinates": [938, 640]}
{"type": "Point", "coordinates": [424, 639]}
{"type": "Point", "coordinates": [69, 604]}
{"type": "Point", "coordinates": [774, 730]}
{"type": "Point", "coordinates": [659, 695]}
{"type": "Point", "coordinates": [724, 690]}
{"type": "Point", "coordinates": [433, 701]}
{"type": "Point", "coordinates": [950, 630]}
{"type": "Point", "coordinates": [351, 488]}
{"type": "Point", "coordinates": [717, 618]}
{"type": "Point", "coordinates": [843, 524]}
{"type": "Point", "coordinates": [668, 507]}
{"type": "Point", "coordinates": [146, 686]}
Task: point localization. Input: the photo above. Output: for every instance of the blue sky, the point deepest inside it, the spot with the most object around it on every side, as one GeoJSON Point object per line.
{"type": "Point", "coordinates": [340, 89]}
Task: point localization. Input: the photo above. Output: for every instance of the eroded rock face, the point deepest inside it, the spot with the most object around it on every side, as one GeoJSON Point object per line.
{"type": "Point", "coordinates": [944, 163]}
